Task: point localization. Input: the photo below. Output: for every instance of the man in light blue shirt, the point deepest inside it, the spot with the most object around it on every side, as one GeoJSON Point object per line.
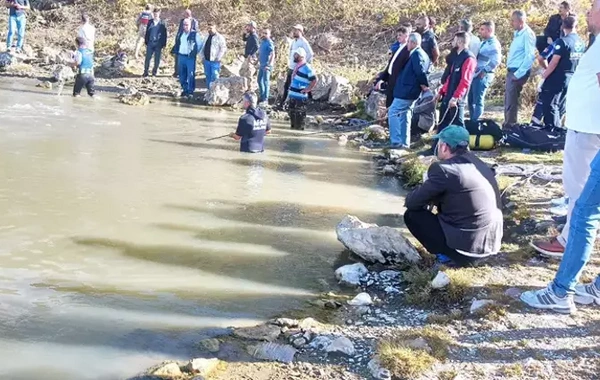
{"type": "Point", "coordinates": [521, 56]}
{"type": "Point", "coordinates": [488, 59]}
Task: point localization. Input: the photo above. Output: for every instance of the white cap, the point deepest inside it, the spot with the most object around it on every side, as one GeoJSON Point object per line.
{"type": "Point", "coordinates": [299, 27]}
{"type": "Point", "coordinates": [301, 52]}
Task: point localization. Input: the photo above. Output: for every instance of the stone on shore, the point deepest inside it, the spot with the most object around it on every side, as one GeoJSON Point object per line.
{"type": "Point", "coordinates": [327, 41]}
{"type": "Point", "coordinates": [351, 274]}
{"type": "Point", "coordinates": [323, 87]}
{"type": "Point", "coordinates": [137, 98]}
{"type": "Point", "coordinates": [168, 371]}
{"type": "Point", "coordinates": [232, 69]}
{"type": "Point", "coordinates": [479, 304]}
{"type": "Point", "coordinates": [375, 105]}
{"type": "Point", "coordinates": [376, 133]}
{"type": "Point", "coordinates": [211, 345]}
{"type": "Point", "coordinates": [341, 92]}
{"type": "Point", "coordinates": [63, 73]}
{"type": "Point", "coordinates": [361, 299]}
{"type": "Point", "coordinates": [440, 281]}
{"type": "Point", "coordinates": [6, 59]}
{"type": "Point", "coordinates": [202, 366]}
{"type": "Point", "coordinates": [286, 322]}
{"type": "Point", "coordinates": [374, 243]}
{"type": "Point", "coordinates": [377, 371]}
{"type": "Point", "coordinates": [265, 332]}
{"type": "Point", "coordinates": [341, 345]}
{"type": "Point", "coordinates": [226, 91]}
{"type": "Point", "coordinates": [283, 353]}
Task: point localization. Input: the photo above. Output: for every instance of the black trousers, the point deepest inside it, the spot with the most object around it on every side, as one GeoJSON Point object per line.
{"type": "Point", "coordinates": [553, 99]}
{"type": "Point", "coordinates": [84, 80]}
{"type": "Point", "coordinates": [297, 112]}
{"type": "Point", "coordinates": [426, 228]}
{"type": "Point", "coordinates": [155, 51]}
{"type": "Point", "coordinates": [286, 87]}
{"type": "Point", "coordinates": [176, 72]}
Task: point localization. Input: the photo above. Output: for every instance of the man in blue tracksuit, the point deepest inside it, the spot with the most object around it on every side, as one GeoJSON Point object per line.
{"type": "Point", "coordinates": [16, 22]}
{"type": "Point", "coordinates": [187, 46]}
{"type": "Point", "coordinates": [84, 63]}
{"type": "Point", "coordinates": [252, 127]}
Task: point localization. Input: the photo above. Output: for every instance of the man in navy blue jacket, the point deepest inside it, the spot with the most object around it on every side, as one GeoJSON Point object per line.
{"type": "Point", "coordinates": [409, 85]}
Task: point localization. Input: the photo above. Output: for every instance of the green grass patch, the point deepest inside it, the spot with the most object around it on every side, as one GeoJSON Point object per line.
{"type": "Point", "coordinates": [512, 370]}
{"type": "Point", "coordinates": [516, 156]}
{"type": "Point", "coordinates": [412, 170]}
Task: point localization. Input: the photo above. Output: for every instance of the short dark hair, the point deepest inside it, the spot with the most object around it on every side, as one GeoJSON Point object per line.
{"type": "Point", "coordinates": [490, 24]}
{"type": "Point", "coordinates": [463, 36]}
{"type": "Point", "coordinates": [85, 17]}
{"type": "Point", "coordinates": [148, 7]}
{"type": "Point", "coordinates": [566, 5]}
{"type": "Point", "coordinates": [403, 30]}
{"type": "Point", "coordinates": [459, 149]}
{"type": "Point", "coordinates": [569, 22]}
{"type": "Point", "coordinates": [467, 25]}
{"type": "Point", "coordinates": [80, 41]}
{"type": "Point", "coordinates": [156, 10]}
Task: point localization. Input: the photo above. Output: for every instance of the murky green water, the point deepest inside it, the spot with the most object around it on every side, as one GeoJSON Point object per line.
{"type": "Point", "coordinates": [126, 237]}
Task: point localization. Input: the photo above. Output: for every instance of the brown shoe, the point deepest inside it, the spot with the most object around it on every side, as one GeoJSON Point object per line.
{"type": "Point", "coordinates": [550, 248]}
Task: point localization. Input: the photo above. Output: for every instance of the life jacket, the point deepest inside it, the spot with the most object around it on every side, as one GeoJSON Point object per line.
{"type": "Point", "coordinates": [145, 17]}
{"type": "Point", "coordinates": [87, 61]}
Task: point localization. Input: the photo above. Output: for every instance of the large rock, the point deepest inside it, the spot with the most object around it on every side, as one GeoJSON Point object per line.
{"type": "Point", "coordinates": [248, 71]}
{"type": "Point", "coordinates": [374, 243]}
{"type": "Point", "coordinates": [322, 87]}
{"type": "Point", "coordinates": [327, 41]}
{"type": "Point", "coordinates": [226, 91]}
{"type": "Point", "coordinates": [168, 371]}
{"type": "Point", "coordinates": [280, 86]}
{"type": "Point", "coordinates": [114, 66]}
{"type": "Point", "coordinates": [201, 366]}
{"type": "Point", "coordinates": [63, 73]}
{"type": "Point", "coordinates": [341, 92]}
{"type": "Point", "coordinates": [341, 345]}
{"type": "Point", "coordinates": [272, 351]}
{"type": "Point", "coordinates": [375, 105]}
{"type": "Point", "coordinates": [232, 69]}
{"type": "Point", "coordinates": [351, 274]}
{"type": "Point", "coordinates": [5, 60]}
{"type": "Point", "coordinates": [133, 97]}
{"type": "Point", "coordinates": [211, 345]}
{"type": "Point", "coordinates": [261, 332]}
{"type": "Point", "coordinates": [361, 299]}
{"type": "Point", "coordinates": [50, 54]}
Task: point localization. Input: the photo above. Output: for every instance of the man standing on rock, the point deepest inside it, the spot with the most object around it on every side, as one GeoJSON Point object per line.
{"type": "Point", "coordinates": [213, 52]}
{"type": "Point", "coordinates": [429, 42]}
{"type": "Point", "coordinates": [469, 222]}
{"type": "Point", "coordinates": [142, 24]}
{"type": "Point", "coordinates": [302, 82]}
{"type": "Point", "coordinates": [16, 22]}
{"type": "Point", "coordinates": [521, 56]}
{"type": "Point", "coordinates": [84, 63]}
{"type": "Point", "coordinates": [266, 60]}
{"type": "Point", "coordinates": [394, 67]}
{"type": "Point", "coordinates": [156, 40]}
{"type": "Point", "coordinates": [298, 42]}
{"type": "Point", "coordinates": [187, 15]}
{"type": "Point", "coordinates": [252, 127]}
{"type": "Point", "coordinates": [409, 85]}
{"type": "Point", "coordinates": [87, 31]}
{"type": "Point", "coordinates": [187, 46]}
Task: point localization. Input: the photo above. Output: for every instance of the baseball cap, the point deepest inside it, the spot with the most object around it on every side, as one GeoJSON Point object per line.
{"type": "Point", "coordinates": [299, 27]}
{"type": "Point", "coordinates": [454, 136]}
{"type": "Point", "coordinates": [301, 52]}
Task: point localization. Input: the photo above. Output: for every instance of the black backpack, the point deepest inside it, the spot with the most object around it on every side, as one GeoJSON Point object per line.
{"type": "Point", "coordinates": [484, 127]}
{"type": "Point", "coordinates": [527, 136]}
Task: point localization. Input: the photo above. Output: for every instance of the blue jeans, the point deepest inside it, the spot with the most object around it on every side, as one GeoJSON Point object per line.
{"type": "Point", "coordinates": [264, 82]}
{"type": "Point", "coordinates": [399, 117]}
{"type": "Point", "coordinates": [211, 71]}
{"type": "Point", "coordinates": [477, 93]}
{"type": "Point", "coordinates": [16, 24]}
{"type": "Point", "coordinates": [187, 73]}
{"type": "Point", "coordinates": [582, 234]}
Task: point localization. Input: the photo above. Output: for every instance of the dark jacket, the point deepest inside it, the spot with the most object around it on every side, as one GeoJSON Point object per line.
{"type": "Point", "coordinates": [554, 27]}
{"type": "Point", "coordinates": [460, 76]}
{"type": "Point", "coordinates": [391, 79]}
{"type": "Point", "coordinates": [414, 74]}
{"type": "Point", "coordinates": [466, 194]}
{"type": "Point", "coordinates": [252, 128]}
{"type": "Point", "coordinates": [191, 41]}
{"type": "Point", "coordinates": [252, 44]}
{"type": "Point", "coordinates": [161, 41]}
{"type": "Point", "coordinates": [449, 60]}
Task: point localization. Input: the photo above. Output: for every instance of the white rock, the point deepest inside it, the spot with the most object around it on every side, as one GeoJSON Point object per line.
{"type": "Point", "coordinates": [389, 169]}
{"type": "Point", "coordinates": [327, 41]}
{"type": "Point", "coordinates": [342, 140]}
{"type": "Point", "coordinates": [392, 290]}
{"type": "Point", "coordinates": [286, 322]}
{"type": "Point", "coordinates": [361, 299]}
{"type": "Point", "coordinates": [202, 366]}
{"type": "Point", "coordinates": [478, 304]}
{"type": "Point", "coordinates": [341, 345]}
{"type": "Point", "coordinates": [323, 86]}
{"type": "Point", "coordinates": [210, 345]}
{"type": "Point", "coordinates": [371, 242]}
{"type": "Point", "coordinates": [377, 371]}
{"type": "Point", "coordinates": [440, 281]}
{"type": "Point", "coordinates": [308, 323]}
{"type": "Point", "coordinates": [351, 274]}
{"type": "Point", "coordinates": [226, 91]}
{"type": "Point", "coordinates": [272, 351]}
{"type": "Point", "coordinates": [341, 92]}
{"type": "Point", "coordinates": [389, 275]}
{"type": "Point", "coordinates": [376, 132]}
{"type": "Point", "coordinates": [168, 371]}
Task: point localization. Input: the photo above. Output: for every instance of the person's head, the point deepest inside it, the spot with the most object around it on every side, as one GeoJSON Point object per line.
{"type": "Point", "coordinates": [593, 18]}
{"type": "Point", "coordinates": [461, 40]}
{"type": "Point", "coordinates": [80, 42]}
{"type": "Point", "coordinates": [402, 34]}
{"type": "Point", "coordinates": [432, 22]}
{"type": "Point", "coordinates": [518, 19]}
{"type": "Point", "coordinates": [156, 13]}
{"type": "Point", "coordinates": [299, 55]}
{"type": "Point", "coordinates": [564, 9]}
{"type": "Point", "coordinates": [187, 13]}
{"type": "Point", "coordinates": [251, 27]}
{"type": "Point", "coordinates": [569, 24]}
{"type": "Point", "coordinates": [266, 33]}
{"type": "Point", "coordinates": [452, 140]}
{"type": "Point", "coordinates": [250, 100]}
{"type": "Point", "coordinates": [187, 25]}
{"type": "Point", "coordinates": [212, 28]}
{"type": "Point", "coordinates": [422, 24]}
{"type": "Point", "coordinates": [298, 31]}
{"type": "Point", "coordinates": [465, 25]}
{"type": "Point", "coordinates": [487, 29]}
{"type": "Point", "coordinates": [85, 18]}
{"type": "Point", "coordinates": [148, 7]}
{"type": "Point", "coordinates": [414, 41]}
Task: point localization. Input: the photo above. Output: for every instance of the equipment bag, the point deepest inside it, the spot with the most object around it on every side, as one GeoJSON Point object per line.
{"type": "Point", "coordinates": [485, 133]}
{"type": "Point", "coordinates": [527, 136]}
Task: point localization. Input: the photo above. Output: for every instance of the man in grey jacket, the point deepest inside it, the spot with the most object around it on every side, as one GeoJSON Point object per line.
{"type": "Point", "coordinates": [468, 224]}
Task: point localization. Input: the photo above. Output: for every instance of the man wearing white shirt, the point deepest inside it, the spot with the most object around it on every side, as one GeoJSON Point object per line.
{"type": "Point", "coordinates": [395, 65]}
{"type": "Point", "coordinates": [298, 42]}
{"type": "Point", "coordinates": [187, 46]}
{"type": "Point", "coordinates": [87, 31]}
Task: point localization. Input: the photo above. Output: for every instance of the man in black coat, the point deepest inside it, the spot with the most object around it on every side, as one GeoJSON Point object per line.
{"type": "Point", "coordinates": [156, 40]}
{"type": "Point", "coordinates": [553, 30]}
{"type": "Point", "coordinates": [387, 78]}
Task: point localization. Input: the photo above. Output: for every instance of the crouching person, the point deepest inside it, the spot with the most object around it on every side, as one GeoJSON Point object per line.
{"type": "Point", "coordinates": [84, 63]}
{"type": "Point", "coordinates": [468, 224]}
{"type": "Point", "coordinates": [303, 81]}
{"type": "Point", "coordinates": [252, 127]}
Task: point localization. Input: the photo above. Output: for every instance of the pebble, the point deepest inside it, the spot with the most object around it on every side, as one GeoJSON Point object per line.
{"type": "Point", "coordinates": [361, 299]}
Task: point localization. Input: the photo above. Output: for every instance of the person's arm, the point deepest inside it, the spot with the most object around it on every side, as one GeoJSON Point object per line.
{"type": "Point", "coordinates": [551, 66]}
{"type": "Point", "coordinates": [243, 128]}
{"type": "Point", "coordinates": [77, 59]}
{"type": "Point", "coordinates": [466, 77]}
{"type": "Point", "coordinates": [271, 60]}
{"type": "Point", "coordinates": [560, 51]}
{"type": "Point", "coordinates": [309, 51]}
{"type": "Point", "coordinates": [165, 35]}
{"type": "Point", "coordinates": [147, 34]}
{"type": "Point", "coordinates": [528, 55]}
{"type": "Point", "coordinates": [421, 72]}
{"type": "Point", "coordinates": [494, 58]}
{"type": "Point", "coordinates": [268, 130]}
{"type": "Point", "coordinates": [552, 28]}
{"type": "Point", "coordinates": [222, 48]}
{"type": "Point", "coordinates": [435, 51]}
{"type": "Point", "coordinates": [429, 191]}
{"type": "Point", "coordinates": [25, 5]}
{"type": "Point", "coordinates": [444, 88]}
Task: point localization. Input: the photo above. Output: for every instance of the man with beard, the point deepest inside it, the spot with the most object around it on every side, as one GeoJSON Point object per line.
{"type": "Point", "coordinates": [299, 42]}
{"type": "Point", "coordinates": [429, 42]}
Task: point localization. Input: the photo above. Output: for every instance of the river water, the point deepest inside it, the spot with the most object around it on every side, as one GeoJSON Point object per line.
{"type": "Point", "coordinates": [126, 237]}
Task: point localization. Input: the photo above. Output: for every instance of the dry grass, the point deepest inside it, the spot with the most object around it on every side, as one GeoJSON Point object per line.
{"type": "Point", "coordinates": [516, 156]}
{"type": "Point", "coordinates": [419, 291]}
{"type": "Point", "coordinates": [412, 171]}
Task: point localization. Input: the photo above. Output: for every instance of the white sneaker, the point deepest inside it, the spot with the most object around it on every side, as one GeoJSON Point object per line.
{"type": "Point", "coordinates": [547, 300]}
{"type": "Point", "coordinates": [561, 210]}
{"type": "Point", "coordinates": [560, 201]}
{"type": "Point", "coordinates": [587, 294]}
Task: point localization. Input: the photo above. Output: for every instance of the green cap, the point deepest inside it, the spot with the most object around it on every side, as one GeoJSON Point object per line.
{"type": "Point", "coordinates": [454, 136]}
